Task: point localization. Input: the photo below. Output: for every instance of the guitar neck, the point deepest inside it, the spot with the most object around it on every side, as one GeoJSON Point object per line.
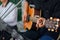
{"type": "Point", "coordinates": [34, 19]}
{"type": "Point", "coordinates": [48, 23]}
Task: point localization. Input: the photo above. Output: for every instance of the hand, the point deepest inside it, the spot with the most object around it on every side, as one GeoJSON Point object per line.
{"type": "Point", "coordinates": [25, 10]}
{"type": "Point", "coordinates": [40, 22]}
{"type": "Point", "coordinates": [24, 17]}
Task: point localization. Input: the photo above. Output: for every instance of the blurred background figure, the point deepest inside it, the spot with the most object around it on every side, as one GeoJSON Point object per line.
{"type": "Point", "coordinates": [10, 19]}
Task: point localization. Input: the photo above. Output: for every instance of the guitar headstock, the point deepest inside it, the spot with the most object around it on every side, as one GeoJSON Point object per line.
{"type": "Point", "coordinates": [52, 24]}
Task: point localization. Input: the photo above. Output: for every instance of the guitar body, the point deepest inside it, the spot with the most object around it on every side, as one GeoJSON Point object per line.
{"type": "Point", "coordinates": [28, 24]}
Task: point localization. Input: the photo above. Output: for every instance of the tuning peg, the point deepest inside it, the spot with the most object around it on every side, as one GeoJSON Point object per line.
{"type": "Point", "coordinates": [51, 18]}
{"type": "Point", "coordinates": [49, 29]}
{"type": "Point", "coordinates": [57, 25]}
{"type": "Point", "coordinates": [57, 20]}
{"type": "Point", "coordinates": [52, 30]}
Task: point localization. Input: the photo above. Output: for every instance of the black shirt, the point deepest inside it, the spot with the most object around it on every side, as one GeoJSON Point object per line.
{"type": "Point", "coordinates": [50, 8]}
{"type": "Point", "coordinates": [30, 1]}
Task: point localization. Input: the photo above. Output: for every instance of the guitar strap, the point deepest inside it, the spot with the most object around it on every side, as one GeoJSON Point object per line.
{"type": "Point", "coordinates": [6, 10]}
{"type": "Point", "coordinates": [12, 9]}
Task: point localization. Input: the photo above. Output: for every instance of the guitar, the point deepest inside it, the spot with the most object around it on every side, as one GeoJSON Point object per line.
{"type": "Point", "coordinates": [50, 24]}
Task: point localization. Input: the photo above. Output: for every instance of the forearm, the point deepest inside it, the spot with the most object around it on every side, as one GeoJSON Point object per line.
{"type": "Point", "coordinates": [25, 7]}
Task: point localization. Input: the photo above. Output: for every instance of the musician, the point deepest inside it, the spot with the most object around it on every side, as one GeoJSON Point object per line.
{"type": "Point", "coordinates": [10, 19]}
{"type": "Point", "coordinates": [49, 8]}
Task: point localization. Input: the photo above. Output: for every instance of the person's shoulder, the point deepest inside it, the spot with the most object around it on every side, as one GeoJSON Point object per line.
{"type": "Point", "coordinates": [12, 3]}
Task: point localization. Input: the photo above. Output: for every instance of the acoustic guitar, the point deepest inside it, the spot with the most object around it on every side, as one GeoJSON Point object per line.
{"type": "Point", "coordinates": [49, 23]}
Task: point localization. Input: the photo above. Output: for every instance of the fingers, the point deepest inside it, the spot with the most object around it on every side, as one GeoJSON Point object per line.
{"type": "Point", "coordinates": [24, 17]}
{"type": "Point", "coordinates": [40, 22]}
{"type": "Point", "coordinates": [39, 25]}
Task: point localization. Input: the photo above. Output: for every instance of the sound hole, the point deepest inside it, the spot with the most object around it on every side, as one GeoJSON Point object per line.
{"type": "Point", "coordinates": [28, 18]}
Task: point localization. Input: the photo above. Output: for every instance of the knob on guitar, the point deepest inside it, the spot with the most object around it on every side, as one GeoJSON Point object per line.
{"type": "Point", "coordinates": [48, 29]}
{"type": "Point", "coordinates": [52, 30]}
{"type": "Point", "coordinates": [51, 18]}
